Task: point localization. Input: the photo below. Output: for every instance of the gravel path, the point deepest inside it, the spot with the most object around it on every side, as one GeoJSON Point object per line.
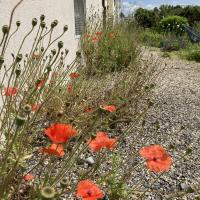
{"type": "Point", "coordinates": [174, 122]}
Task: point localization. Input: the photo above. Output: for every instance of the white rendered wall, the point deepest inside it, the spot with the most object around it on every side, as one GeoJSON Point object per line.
{"type": "Point", "coordinates": [62, 10]}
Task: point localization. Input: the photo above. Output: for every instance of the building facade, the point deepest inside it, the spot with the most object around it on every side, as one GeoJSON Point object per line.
{"type": "Point", "coordinates": [67, 12]}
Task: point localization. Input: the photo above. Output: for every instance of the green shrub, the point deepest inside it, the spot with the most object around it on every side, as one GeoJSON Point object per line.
{"type": "Point", "coordinates": [113, 49]}
{"type": "Point", "coordinates": [146, 18]}
{"type": "Point", "coordinates": [194, 55]}
{"type": "Point", "coordinates": [153, 39]}
{"type": "Point", "coordinates": [173, 25]}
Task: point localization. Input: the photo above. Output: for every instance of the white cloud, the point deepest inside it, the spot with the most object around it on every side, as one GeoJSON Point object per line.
{"type": "Point", "coordinates": [149, 6]}
{"type": "Point", "coordinates": [129, 7]}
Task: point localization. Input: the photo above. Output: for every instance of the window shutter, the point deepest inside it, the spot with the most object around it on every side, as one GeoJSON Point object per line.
{"type": "Point", "coordinates": [79, 12]}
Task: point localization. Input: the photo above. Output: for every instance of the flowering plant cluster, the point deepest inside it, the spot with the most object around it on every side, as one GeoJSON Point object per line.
{"type": "Point", "coordinates": [62, 129]}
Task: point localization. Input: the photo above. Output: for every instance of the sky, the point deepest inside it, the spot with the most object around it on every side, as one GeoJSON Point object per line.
{"type": "Point", "coordinates": [130, 5]}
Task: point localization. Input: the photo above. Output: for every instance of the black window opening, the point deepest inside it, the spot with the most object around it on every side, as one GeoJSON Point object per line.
{"type": "Point", "coordinates": [79, 12]}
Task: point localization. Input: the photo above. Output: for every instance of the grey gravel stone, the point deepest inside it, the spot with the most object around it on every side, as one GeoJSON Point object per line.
{"type": "Point", "coordinates": [90, 160]}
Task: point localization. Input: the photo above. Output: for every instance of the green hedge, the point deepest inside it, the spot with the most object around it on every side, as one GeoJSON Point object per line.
{"type": "Point", "coordinates": [173, 25]}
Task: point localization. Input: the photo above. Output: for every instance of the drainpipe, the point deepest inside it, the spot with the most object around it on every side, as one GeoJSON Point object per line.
{"type": "Point", "coordinates": [104, 13]}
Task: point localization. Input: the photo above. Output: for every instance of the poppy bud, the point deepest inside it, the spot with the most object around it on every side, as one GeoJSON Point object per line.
{"type": "Point", "coordinates": [5, 29]}
{"type": "Point", "coordinates": [53, 51]}
{"type": "Point", "coordinates": [18, 58]}
{"type": "Point", "coordinates": [48, 192]}
{"type": "Point", "coordinates": [65, 28]}
{"type": "Point", "coordinates": [60, 44]}
{"type": "Point", "coordinates": [18, 72]}
{"type": "Point", "coordinates": [1, 60]}
{"type": "Point", "coordinates": [20, 120]}
{"type": "Point", "coordinates": [27, 108]}
{"type": "Point", "coordinates": [42, 17]}
{"type": "Point", "coordinates": [34, 22]}
{"type": "Point", "coordinates": [18, 23]}
{"type": "Point", "coordinates": [43, 24]}
{"type": "Point", "coordinates": [64, 182]}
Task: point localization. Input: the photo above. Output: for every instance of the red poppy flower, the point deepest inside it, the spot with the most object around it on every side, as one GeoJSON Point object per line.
{"type": "Point", "coordinates": [158, 159]}
{"type": "Point", "coordinates": [87, 190]}
{"type": "Point", "coordinates": [95, 39]}
{"type": "Point", "coordinates": [99, 33]}
{"type": "Point", "coordinates": [74, 75]}
{"type": "Point", "coordinates": [35, 107]}
{"type": "Point", "coordinates": [70, 88]}
{"type": "Point", "coordinates": [102, 141]}
{"type": "Point", "coordinates": [28, 177]}
{"type": "Point", "coordinates": [60, 133]}
{"type": "Point", "coordinates": [88, 109]}
{"type": "Point", "coordinates": [110, 108]}
{"type": "Point", "coordinates": [40, 83]}
{"type": "Point", "coordinates": [87, 35]}
{"type": "Point", "coordinates": [10, 91]}
{"type": "Point", "coordinates": [54, 149]}
{"type": "Point", "coordinates": [111, 35]}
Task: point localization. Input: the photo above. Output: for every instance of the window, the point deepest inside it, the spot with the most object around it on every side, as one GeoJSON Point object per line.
{"type": "Point", "coordinates": [79, 12]}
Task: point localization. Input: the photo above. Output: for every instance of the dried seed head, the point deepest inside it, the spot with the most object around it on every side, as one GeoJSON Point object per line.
{"type": "Point", "coordinates": [5, 29]}
{"type": "Point", "coordinates": [18, 58]}
{"type": "Point", "coordinates": [65, 28]}
{"type": "Point", "coordinates": [20, 120]}
{"type": "Point", "coordinates": [64, 182]}
{"type": "Point", "coordinates": [42, 24]}
{"type": "Point", "coordinates": [18, 72]}
{"type": "Point", "coordinates": [53, 51]}
{"type": "Point", "coordinates": [60, 44]}
{"type": "Point", "coordinates": [42, 17]}
{"type": "Point", "coordinates": [34, 22]}
{"type": "Point", "coordinates": [18, 23]}
{"type": "Point", "coordinates": [1, 60]}
{"type": "Point", "coordinates": [27, 108]}
{"type": "Point", "coordinates": [48, 192]}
